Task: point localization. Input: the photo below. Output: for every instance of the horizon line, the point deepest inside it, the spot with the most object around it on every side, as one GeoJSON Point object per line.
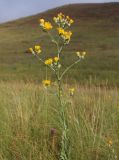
{"type": "Point", "coordinates": [26, 16]}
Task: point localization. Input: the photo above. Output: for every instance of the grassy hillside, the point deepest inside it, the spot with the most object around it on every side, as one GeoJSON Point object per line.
{"type": "Point", "coordinates": [96, 30]}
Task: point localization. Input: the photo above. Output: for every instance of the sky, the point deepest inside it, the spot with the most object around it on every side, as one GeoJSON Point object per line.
{"type": "Point", "coordinates": [13, 9]}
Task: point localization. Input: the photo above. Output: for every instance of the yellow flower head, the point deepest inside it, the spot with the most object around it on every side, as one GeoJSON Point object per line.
{"type": "Point", "coordinates": [41, 20]}
{"type": "Point", "coordinates": [49, 61]}
{"type": "Point", "coordinates": [45, 25]}
{"type": "Point", "coordinates": [71, 91]}
{"type": "Point", "coordinates": [60, 31]}
{"type": "Point", "coordinates": [37, 49]}
{"type": "Point", "coordinates": [56, 59]}
{"type": "Point", "coordinates": [110, 143]}
{"type": "Point", "coordinates": [81, 54]}
{"type": "Point", "coordinates": [67, 35]}
{"type": "Point", "coordinates": [31, 50]}
{"type": "Point", "coordinates": [71, 21]}
{"type": "Point", "coordinates": [61, 16]}
{"type": "Point", "coordinates": [55, 19]}
{"type": "Point", "coordinates": [46, 83]}
{"type": "Point", "coordinates": [78, 54]}
{"type": "Point", "coordinates": [67, 17]}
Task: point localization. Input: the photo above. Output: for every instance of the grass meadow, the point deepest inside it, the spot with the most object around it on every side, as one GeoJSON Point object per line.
{"type": "Point", "coordinates": [30, 127]}
{"type": "Point", "coordinates": [28, 112]}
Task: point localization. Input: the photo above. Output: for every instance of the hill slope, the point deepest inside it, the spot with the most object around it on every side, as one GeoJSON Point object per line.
{"type": "Point", "coordinates": [96, 30]}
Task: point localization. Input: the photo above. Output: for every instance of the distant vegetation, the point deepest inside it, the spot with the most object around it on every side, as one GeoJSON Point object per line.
{"type": "Point", "coordinates": [96, 30]}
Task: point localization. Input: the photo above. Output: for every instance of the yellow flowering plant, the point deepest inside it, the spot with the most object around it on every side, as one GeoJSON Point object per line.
{"type": "Point", "coordinates": [64, 36]}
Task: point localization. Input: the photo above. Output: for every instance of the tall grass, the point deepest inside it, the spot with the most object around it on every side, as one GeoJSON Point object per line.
{"type": "Point", "coordinates": [29, 113]}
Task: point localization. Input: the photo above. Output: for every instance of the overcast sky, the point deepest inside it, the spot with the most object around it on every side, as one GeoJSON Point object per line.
{"type": "Point", "coordinates": [13, 9]}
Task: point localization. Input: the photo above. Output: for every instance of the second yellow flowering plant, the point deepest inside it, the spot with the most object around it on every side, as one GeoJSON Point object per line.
{"type": "Point", "coordinates": [55, 63]}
